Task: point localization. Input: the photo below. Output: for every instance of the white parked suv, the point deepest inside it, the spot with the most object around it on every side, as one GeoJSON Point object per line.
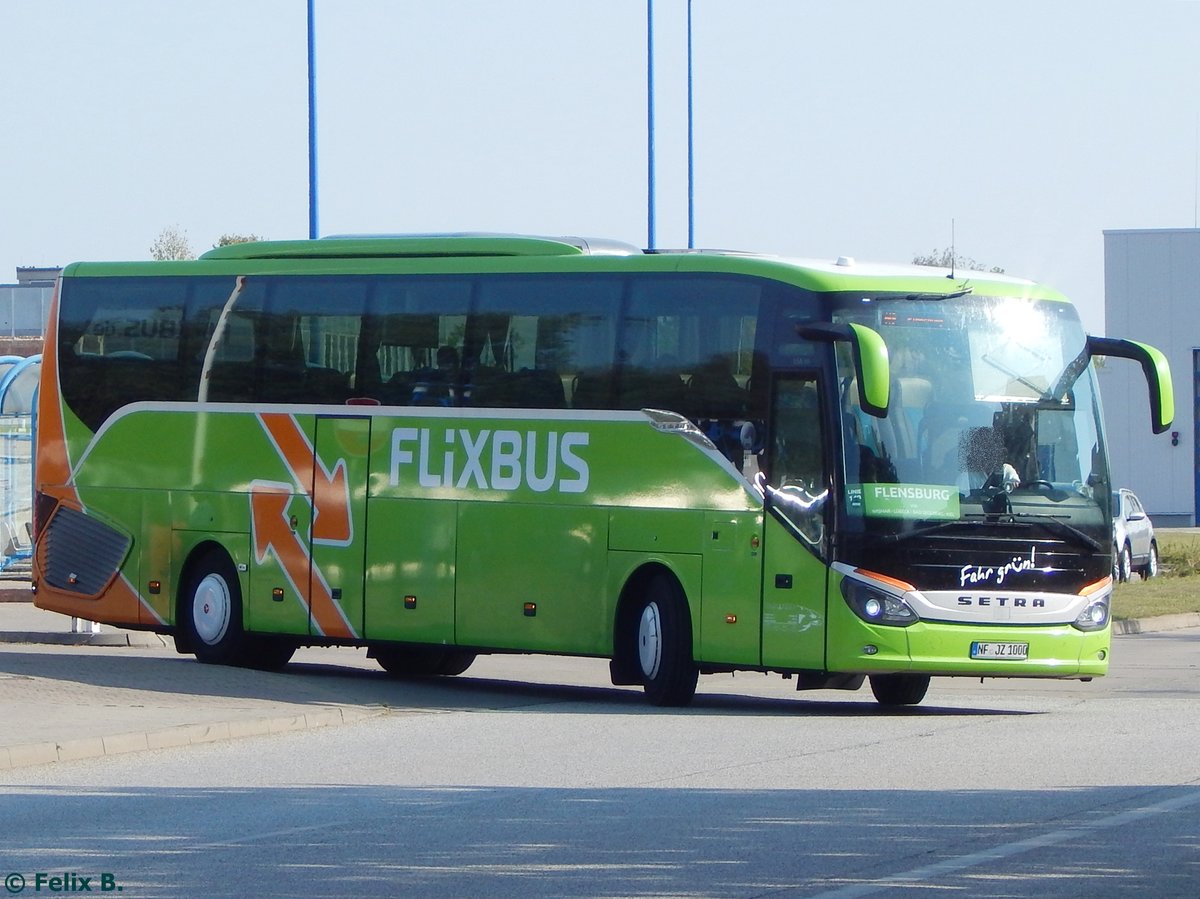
{"type": "Point", "coordinates": [1134, 546]}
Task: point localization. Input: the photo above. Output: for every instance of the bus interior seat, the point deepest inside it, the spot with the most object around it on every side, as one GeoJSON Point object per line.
{"type": "Point", "coordinates": [368, 376]}
{"type": "Point", "coordinates": [231, 382]}
{"type": "Point", "coordinates": [534, 388]}
{"type": "Point", "coordinates": [713, 392]}
{"type": "Point", "coordinates": [326, 385]}
{"type": "Point", "coordinates": [593, 389]}
{"type": "Point", "coordinates": [938, 437]}
{"type": "Point", "coordinates": [651, 388]}
{"type": "Point", "coordinates": [912, 396]}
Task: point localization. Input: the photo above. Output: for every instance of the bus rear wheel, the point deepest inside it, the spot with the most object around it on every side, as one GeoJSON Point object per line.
{"type": "Point", "coordinates": [430, 661]}
{"type": "Point", "coordinates": [211, 611]}
{"type": "Point", "coordinates": [663, 645]}
{"type": "Point", "coordinates": [899, 689]}
{"type": "Point", "coordinates": [210, 615]}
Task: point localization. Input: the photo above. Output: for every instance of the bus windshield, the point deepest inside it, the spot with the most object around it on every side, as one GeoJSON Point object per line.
{"type": "Point", "coordinates": [993, 418]}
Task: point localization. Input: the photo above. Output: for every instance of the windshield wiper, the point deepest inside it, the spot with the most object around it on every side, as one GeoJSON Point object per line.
{"type": "Point", "coordinates": [963, 291]}
{"type": "Point", "coordinates": [1004, 519]}
{"type": "Point", "coordinates": [931, 529]}
{"type": "Point", "coordinates": [1017, 376]}
{"type": "Point", "coordinates": [1061, 527]}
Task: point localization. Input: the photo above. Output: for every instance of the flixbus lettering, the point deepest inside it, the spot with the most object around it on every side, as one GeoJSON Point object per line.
{"type": "Point", "coordinates": [490, 460]}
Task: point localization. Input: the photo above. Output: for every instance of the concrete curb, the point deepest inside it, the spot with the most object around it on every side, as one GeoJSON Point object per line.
{"type": "Point", "coordinates": [1156, 624]}
{"type": "Point", "coordinates": [104, 638]}
{"type": "Point", "coordinates": [181, 735]}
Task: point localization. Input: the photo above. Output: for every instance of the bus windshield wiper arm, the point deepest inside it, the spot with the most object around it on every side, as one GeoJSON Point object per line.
{"type": "Point", "coordinates": [931, 529]}
{"type": "Point", "coordinates": [1056, 524]}
{"type": "Point", "coordinates": [1007, 518]}
{"type": "Point", "coordinates": [1017, 376]}
{"type": "Point", "coordinates": [961, 292]}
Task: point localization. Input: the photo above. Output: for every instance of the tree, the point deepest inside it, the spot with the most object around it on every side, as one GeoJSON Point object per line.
{"type": "Point", "coordinates": [171, 243]}
{"type": "Point", "coordinates": [947, 258]}
{"type": "Point", "coordinates": [226, 239]}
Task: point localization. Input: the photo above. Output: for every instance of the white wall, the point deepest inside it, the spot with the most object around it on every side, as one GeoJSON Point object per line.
{"type": "Point", "coordinates": [1152, 294]}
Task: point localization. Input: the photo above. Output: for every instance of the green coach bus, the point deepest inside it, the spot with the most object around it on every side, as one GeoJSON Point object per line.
{"type": "Point", "coordinates": [686, 462]}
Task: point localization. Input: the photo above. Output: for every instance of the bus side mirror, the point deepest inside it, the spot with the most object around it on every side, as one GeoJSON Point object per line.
{"type": "Point", "coordinates": [870, 360]}
{"type": "Point", "coordinates": [1154, 366]}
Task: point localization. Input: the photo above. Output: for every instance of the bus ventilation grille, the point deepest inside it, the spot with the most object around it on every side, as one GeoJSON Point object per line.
{"type": "Point", "coordinates": [81, 553]}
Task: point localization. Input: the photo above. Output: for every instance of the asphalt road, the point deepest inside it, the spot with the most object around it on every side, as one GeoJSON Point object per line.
{"type": "Point", "coordinates": [533, 777]}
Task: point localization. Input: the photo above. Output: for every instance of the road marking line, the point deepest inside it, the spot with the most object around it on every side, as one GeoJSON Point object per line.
{"type": "Point", "coordinates": [960, 863]}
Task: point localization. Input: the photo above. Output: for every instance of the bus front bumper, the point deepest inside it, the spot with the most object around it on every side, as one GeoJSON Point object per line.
{"type": "Point", "coordinates": [938, 648]}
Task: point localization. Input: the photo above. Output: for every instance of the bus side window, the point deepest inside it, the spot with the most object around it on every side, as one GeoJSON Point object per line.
{"type": "Point", "coordinates": [797, 477]}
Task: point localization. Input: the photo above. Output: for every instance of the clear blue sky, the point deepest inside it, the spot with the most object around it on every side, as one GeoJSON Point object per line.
{"type": "Point", "coordinates": [855, 128]}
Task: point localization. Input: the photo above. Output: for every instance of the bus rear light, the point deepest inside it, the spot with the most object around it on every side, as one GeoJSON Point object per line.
{"type": "Point", "coordinates": [43, 508]}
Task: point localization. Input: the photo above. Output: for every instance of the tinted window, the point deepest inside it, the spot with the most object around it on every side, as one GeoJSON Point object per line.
{"type": "Point", "coordinates": [123, 339]}
{"type": "Point", "coordinates": [593, 341]}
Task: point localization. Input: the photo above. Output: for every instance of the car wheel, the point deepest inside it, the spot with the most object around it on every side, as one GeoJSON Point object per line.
{"type": "Point", "coordinates": [1116, 564]}
{"type": "Point", "coordinates": [1151, 569]}
{"type": "Point", "coordinates": [1126, 571]}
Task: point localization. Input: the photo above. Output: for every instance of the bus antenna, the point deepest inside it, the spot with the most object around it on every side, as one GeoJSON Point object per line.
{"type": "Point", "coordinates": [952, 251]}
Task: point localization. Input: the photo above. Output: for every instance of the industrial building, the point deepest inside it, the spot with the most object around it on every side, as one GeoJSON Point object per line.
{"type": "Point", "coordinates": [1152, 295]}
{"type": "Point", "coordinates": [24, 307]}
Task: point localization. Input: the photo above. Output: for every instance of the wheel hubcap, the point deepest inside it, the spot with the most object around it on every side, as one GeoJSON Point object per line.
{"type": "Point", "coordinates": [650, 640]}
{"type": "Point", "coordinates": [210, 609]}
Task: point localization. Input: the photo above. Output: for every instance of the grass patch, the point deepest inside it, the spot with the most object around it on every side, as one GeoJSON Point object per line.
{"type": "Point", "coordinates": [1175, 590]}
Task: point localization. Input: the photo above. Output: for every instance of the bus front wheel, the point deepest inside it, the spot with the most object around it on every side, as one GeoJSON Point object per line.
{"type": "Point", "coordinates": [899, 689]}
{"type": "Point", "coordinates": [663, 641]}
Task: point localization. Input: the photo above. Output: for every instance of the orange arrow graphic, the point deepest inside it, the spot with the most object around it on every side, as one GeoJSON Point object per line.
{"type": "Point", "coordinates": [272, 531]}
{"type": "Point", "coordinates": [329, 491]}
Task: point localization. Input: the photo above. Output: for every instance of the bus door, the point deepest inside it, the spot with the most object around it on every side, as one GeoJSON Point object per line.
{"type": "Point", "coordinates": [799, 514]}
{"type": "Point", "coordinates": [338, 535]}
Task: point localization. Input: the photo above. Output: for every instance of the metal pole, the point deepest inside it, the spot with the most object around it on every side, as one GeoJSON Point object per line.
{"type": "Point", "coordinates": [650, 123]}
{"type": "Point", "coordinates": [312, 129]}
{"type": "Point", "coordinates": [691, 145]}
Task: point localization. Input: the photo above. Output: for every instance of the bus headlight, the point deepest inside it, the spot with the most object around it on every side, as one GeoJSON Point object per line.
{"type": "Point", "coordinates": [875, 605]}
{"type": "Point", "coordinates": [1095, 614]}
{"type": "Point", "coordinates": [1094, 617]}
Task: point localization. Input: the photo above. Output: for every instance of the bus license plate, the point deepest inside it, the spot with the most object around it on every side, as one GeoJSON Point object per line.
{"type": "Point", "coordinates": [1019, 651]}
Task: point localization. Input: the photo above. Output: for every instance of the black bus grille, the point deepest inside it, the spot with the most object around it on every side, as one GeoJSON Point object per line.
{"type": "Point", "coordinates": [81, 555]}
